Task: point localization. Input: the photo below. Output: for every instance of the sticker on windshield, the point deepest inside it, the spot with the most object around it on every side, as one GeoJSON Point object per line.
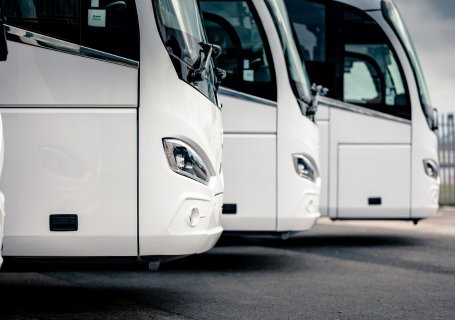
{"type": "Point", "coordinates": [248, 75]}
{"type": "Point", "coordinates": [97, 18]}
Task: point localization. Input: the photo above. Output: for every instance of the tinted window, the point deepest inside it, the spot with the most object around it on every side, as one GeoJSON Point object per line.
{"type": "Point", "coordinates": [362, 81]}
{"type": "Point", "coordinates": [236, 28]}
{"type": "Point", "coordinates": [347, 51]}
{"type": "Point", "coordinates": [296, 68]}
{"type": "Point", "coordinates": [183, 16]}
{"type": "Point", "coordinates": [391, 84]}
{"type": "Point", "coordinates": [310, 29]}
{"type": "Point", "coordinates": [108, 25]}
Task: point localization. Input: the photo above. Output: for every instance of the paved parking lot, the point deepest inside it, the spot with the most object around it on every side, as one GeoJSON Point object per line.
{"type": "Point", "coordinates": [338, 270]}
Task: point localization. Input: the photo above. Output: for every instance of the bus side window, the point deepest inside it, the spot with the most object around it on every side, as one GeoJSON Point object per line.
{"type": "Point", "coordinates": [110, 26]}
{"type": "Point", "coordinates": [361, 35]}
{"type": "Point", "coordinates": [246, 56]}
{"type": "Point", "coordinates": [309, 22]}
{"type": "Point", "coordinates": [221, 32]}
{"type": "Point", "coordinates": [394, 89]}
{"type": "Point", "coordinates": [363, 81]}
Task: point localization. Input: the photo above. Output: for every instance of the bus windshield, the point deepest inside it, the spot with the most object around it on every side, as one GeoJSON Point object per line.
{"type": "Point", "coordinates": [296, 69]}
{"type": "Point", "coordinates": [393, 17]}
{"type": "Point", "coordinates": [183, 33]}
{"type": "Point", "coordinates": [183, 16]}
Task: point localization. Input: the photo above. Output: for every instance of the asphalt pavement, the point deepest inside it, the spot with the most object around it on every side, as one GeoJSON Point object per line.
{"type": "Point", "coordinates": [338, 270]}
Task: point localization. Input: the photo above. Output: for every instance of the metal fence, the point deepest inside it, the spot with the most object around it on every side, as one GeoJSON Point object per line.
{"type": "Point", "coordinates": [447, 159]}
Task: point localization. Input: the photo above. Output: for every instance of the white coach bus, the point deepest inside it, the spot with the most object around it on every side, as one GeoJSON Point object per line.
{"type": "Point", "coordinates": [271, 144]}
{"type": "Point", "coordinates": [112, 128]}
{"type": "Point", "coordinates": [378, 141]}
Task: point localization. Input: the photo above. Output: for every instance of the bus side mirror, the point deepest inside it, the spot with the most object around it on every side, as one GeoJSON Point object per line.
{"type": "Point", "coordinates": [3, 46]}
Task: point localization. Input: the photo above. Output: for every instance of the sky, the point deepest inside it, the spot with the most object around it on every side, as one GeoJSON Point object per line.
{"type": "Point", "coordinates": [431, 24]}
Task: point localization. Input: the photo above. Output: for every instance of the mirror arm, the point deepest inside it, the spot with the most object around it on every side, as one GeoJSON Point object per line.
{"type": "Point", "coordinates": [220, 75]}
{"type": "Point", "coordinates": [318, 91]}
{"type": "Point", "coordinates": [199, 74]}
{"type": "Point", "coordinates": [435, 125]}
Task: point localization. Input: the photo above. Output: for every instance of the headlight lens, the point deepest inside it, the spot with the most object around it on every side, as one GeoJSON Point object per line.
{"type": "Point", "coordinates": [185, 160]}
{"type": "Point", "coordinates": [431, 168]}
{"type": "Point", "coordinates": [305, 167]}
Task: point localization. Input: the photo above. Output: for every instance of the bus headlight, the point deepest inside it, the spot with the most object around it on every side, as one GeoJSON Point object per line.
{"type": "Point", "coordinates": [305, 167]}
{"type": "Point", "coordinates": [431, 168]}
{"type": "Point", "coordinates": [184, 160]}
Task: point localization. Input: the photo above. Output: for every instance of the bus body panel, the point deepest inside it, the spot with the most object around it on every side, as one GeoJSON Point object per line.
{"type": "Point", "coordinates": [249, 134]}
{"type": "Point", "coordinates": [260, 118]}
{"type": "Point", "coordinates": [425, 190]}
{"type": "Point", "coordinates": [42, 78]}
{"type": "Point", "coordinates": [71, 140]}
{"type": "Point", "coordinates": [298, 198]}
{"type": "Point", "coordinates": [2, 223]}
{"type": "Point", "coordinates": [324, 138]}
{"type": "Point", "coordinates": [251, 180]}
{"type": "Point", "coordinates": [364, 132]}
{"type": "Point", "coordinates": [2, 197]}
{"type": "Point", "coordinates": [387, 196]}
{"type": "Point", "coordinates": [70, 162]}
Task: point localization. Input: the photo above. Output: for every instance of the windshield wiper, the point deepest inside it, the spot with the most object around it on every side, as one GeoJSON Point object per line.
{"type": "Point", "coordinates": [200, 74]}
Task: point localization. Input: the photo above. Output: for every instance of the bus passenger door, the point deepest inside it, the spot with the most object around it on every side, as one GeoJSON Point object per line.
{"type": "Point", "coordinates": [248, 96]}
